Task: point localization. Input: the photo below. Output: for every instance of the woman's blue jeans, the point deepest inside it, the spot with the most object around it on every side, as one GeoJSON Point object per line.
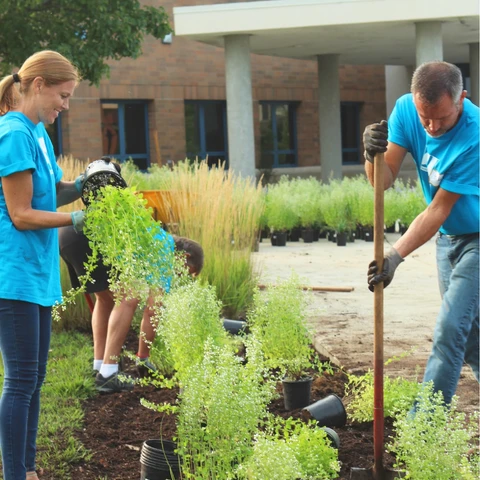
{"type": "Point", "coordinates": [456, 335]}
{"type": "Point", "coordinates": [24, 344]}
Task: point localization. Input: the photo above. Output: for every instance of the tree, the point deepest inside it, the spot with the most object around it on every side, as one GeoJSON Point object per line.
{"type": "Point", "coordinates": [88, 32]}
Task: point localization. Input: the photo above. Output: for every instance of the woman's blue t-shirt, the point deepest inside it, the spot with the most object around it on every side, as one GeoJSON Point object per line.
{"type": "Point", "coordinates": [450, 161]}
{"type": "Point", "coordinates": [29, 259]}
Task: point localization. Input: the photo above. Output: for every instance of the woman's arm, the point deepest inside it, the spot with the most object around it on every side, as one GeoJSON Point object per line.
{"type": "Point", "coordinates": [18, 191]}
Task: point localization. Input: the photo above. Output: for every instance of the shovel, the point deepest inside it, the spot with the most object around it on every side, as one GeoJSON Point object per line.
{"type": "Point", "coordinates": [378, 471]}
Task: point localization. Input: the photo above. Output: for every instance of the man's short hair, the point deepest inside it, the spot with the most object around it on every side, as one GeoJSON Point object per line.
{"type": "Point", "coordinates": [194, 250]}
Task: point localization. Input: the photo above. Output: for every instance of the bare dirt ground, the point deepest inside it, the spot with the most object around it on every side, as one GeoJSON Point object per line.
{"type": "Point", "coordinates": [343, 322]}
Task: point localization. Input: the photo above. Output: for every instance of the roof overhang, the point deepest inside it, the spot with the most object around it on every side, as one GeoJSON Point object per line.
{"type": "Point", "coordinates": [359, 31]}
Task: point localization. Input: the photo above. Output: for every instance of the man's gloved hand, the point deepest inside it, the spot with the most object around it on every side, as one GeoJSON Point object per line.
{"type": "Point", "coordinates": [375, 139]}
{"type": "Point", "coordinates": [390, 263]}
{"type": "Point", "coordinates": [79, 183]}
{"type": "Point", "coordinates": [78, 220]}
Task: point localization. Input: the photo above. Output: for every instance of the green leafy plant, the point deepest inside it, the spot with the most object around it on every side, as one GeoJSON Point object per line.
{"type": "Point", "coordinates": [435, 443]}
{"type": "Point", "coordinates": [278, 319]}
{"type": "Point", "coordinates": [306, 199]}
{"type": "Point", "coordinates": [222, 405]}
{"type": "Point", "coordinates": [122, 232]}
{"type": "Point", "coordinates": [336, 208]}
{"type": "Point", "coordinates": [301, 449]}
{"type": "Point", "coordinates": [399, 394]}
{"type": "Point", "coordinates": [410, 200]}
{"type": "Point", "coordinates": [280, 208]}
{"type": "Point", "coordinates": [189, 317]}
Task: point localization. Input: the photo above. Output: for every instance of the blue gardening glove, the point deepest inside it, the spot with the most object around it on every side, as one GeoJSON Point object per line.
{"type": "Point", "coordinates": [390, 263]}
{"type": "Point", "coordinates": [79, 183]}
{"type": "Point", "coordinates": [375, 139]}
{"type": "Point", "coordinates": [78, 220]}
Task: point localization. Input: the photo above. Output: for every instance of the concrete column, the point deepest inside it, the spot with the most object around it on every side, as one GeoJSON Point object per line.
{"type": "Point", "coordinates": [428, 39]}
{"type": "Point", "coordinates": [329, 117]}
{"type": "Point", "coordinates": [474, 73]}
{"type": "Point", "coordinates": [397, 82]}
{"type": "Point", "coordinates": [238, 74]}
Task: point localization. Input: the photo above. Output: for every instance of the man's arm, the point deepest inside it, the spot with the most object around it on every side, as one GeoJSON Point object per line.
{"type": "Point", "coordinates": [424, 227]}
{"type": "Point", "coordinates": [393, 161]}
{"type": "Point", "coordinates": [420, 231]}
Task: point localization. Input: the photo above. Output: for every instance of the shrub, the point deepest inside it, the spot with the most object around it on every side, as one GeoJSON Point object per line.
{"type": "Point", "coordinates": [278, 320]}
{"type": "Point", "coordinates": [435, 443]}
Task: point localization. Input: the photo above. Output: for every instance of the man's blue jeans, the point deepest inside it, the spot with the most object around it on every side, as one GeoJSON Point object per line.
{"type": "Point", "coordinates": [456, 336]}
{"type": "Point", "coordinates": [24, 343]}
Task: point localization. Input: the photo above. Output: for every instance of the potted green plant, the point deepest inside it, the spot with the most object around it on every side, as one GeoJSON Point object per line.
{"type": "Point", "coordinates": [307, 206]}
{"type": "Point", "coordinates": [278, 320]}
{"type": "Point", "coordinates": [411, 203]}
{"type": "Point", "coordinates": [280, 212]}
{"type": "Point", "coordinates": [337, 211]}
{"type": "Point", "coordinates": [123, 232]}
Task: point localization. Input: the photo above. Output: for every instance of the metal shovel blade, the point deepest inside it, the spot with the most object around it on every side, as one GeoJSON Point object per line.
{"type": "Point", "coordinates": [369, 474]}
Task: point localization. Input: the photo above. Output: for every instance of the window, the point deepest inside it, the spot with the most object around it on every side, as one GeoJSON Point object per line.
{"type": "Point", "coordinates": [350, 124]}
{"type": "Point", "coordinates": [206, 131]}
{"type": "Point", "coordinates": [278, 136]}
{"type": "Point", "coordinates": [125, 132]}
{"type": "Point", "coordinates": [54, 131]}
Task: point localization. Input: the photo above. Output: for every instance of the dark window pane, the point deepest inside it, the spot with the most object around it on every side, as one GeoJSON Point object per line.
{"type": "Point", "coordinates": [286, 159]}
{"type": "Point", "coordinates": [141, 163]}
{"type": "Point", "coordinates": [192, 127]}
{"type": "Point", "coordinates": [350, 128]}
{"type": "Point", "coordinates": [266, 133]}
{"type": "Point", "coordinates": [350, 157]}
{"type": "Point", "coordinates": [349, 120]}
{"type": "Point", "coordinates": [135, 134]}
{"type": "Point", "coordinates": [214, 137]}
{"type": "Point", "coordinates": [266, 160]}
{"type": "Point", "coordinates": [110, 128]}
{"type": "Point", "coordinates": [284, 136]}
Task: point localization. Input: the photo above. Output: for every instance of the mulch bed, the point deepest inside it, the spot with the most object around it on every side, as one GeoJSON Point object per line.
{"type": "Point", "coordinates": [116, 425]}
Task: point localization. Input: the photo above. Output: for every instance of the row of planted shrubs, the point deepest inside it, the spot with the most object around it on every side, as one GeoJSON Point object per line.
{"type": "Point", "coordinates": [340, 205]}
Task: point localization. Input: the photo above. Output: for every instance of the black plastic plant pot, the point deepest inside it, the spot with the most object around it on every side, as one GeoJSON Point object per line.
{"type": "Point", "coordinates": [307, 235]}
{"type": "Point", "coordinates": [98, 174]}
{"type": "Point", "coordinates": [294, 235]}
{"type": "Point", "coordinates": [341, 239]}
{"type": "Point", "coordinates": [159, 461]}
{"type": "Point", "coordinates": [234, 326]}
{"type": "Point", "coordinates": [332, 435]}
{"type": "Point", "coordinates": [296, 393]}
{"type": "Point", "coordinates": [368, 234]}
{"type": "Point", "coordinates": [279, 239]}
{"type": "Point", "coordinates": [328, 411]}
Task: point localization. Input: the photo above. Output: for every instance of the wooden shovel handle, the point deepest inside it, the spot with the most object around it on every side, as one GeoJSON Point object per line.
{"type": "Point", "coordinates": [378, 226]}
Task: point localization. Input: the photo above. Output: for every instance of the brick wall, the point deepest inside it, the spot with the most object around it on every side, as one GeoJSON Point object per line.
{"type": "Point", "coordinates": [166, 75]}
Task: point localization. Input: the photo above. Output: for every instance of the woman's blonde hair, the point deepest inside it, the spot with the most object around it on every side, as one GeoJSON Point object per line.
{"type": "Point", "coordinates": [52, 66]}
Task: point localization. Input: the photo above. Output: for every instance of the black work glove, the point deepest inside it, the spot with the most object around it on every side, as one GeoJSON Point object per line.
{"type": "Point", "coordinates": [375, 139]}
{"type": "Point", "coordinates": [390, 263]}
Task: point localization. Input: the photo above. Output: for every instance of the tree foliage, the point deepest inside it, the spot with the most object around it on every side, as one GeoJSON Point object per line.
{"type": "Point", "coordinates": [88, 32]}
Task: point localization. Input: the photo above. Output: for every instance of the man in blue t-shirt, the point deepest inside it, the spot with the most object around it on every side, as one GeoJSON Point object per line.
{"type": "Point", "coordinates": [439, 126]}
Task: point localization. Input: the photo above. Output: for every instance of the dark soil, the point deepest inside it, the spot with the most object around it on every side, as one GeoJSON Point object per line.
{"type": "Point", "coordinates": [116, 425]}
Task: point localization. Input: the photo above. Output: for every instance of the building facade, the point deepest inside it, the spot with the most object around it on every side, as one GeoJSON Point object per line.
{"type": "Point", "coordinates": [170, 104]}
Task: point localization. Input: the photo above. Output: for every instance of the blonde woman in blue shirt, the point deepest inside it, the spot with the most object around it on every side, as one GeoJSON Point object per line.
{"type": "Point", "coordinates": [30, 191]}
